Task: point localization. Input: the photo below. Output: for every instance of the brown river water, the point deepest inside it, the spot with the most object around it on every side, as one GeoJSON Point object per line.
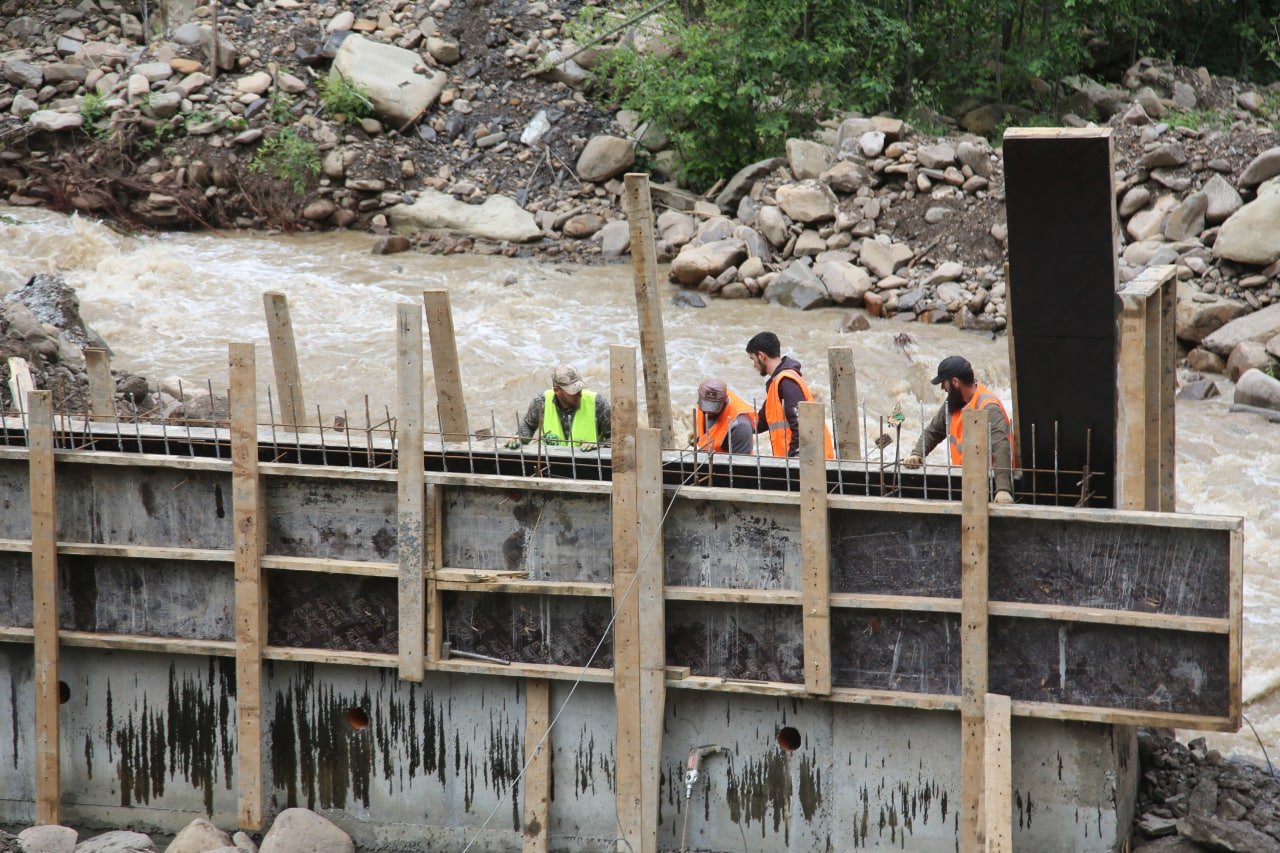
{"type": "Point", "coordinates": [169, 304]}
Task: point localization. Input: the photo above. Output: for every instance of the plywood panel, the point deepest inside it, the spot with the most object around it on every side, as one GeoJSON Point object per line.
{"type": "Point", "coordinates": [744, 641]}
{"type": "Point", "coordinates": [324, 611]}
{"type": "Point", "coordinates": [547, 629]}
{"type": "Point", "coordinates": [337, 519]}
{"type": "Point", "coordinates": [729, 544]}
{"type": "Point", "coordinates": [895, 553]}
{"type": "Point", "coordinates": [891, 650]}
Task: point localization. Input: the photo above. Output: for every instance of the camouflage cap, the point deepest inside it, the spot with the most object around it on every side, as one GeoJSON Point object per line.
{"type": "Point", "coordinates": [566, 376]}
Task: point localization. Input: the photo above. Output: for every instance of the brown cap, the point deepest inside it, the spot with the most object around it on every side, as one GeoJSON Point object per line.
{"type": "Point", "coordinates": [566, 376]}
{"type": "Point", "coordinates": [712, 395]}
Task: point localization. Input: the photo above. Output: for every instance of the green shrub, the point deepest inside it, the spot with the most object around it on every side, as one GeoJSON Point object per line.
{"type": "Point", "coordinates": [289, 157]}
{"type": "Point", "coordinates": [342, 97]}
{"type": "Point", "coordinates": [278, 108]}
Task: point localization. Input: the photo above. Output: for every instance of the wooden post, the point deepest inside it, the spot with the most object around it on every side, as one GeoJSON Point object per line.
{"type": "Point", "coordinates": [1144, 393]}
{"type": "Point", "coordinates": [102, 388]}
{"type": "Point", "coordinates": [652, 616]}
{"type": "Point", "coordinates": [653, 342]}
{"type": "Point", "coordinates": [537, 754]}
{"type": "Point", "coordinates": [997, 775]}
{"type": "Point", "coordinates": [251, 598]}
{"type": "Point", "coordinates": [435, 560]}
{"type": "Point", "coordinates": [973, 626]}
{"type": "Point", "coordinates": [450, 403]}
{"type": "Point", "coordinates": [844, 402]}
{"type": "Point", "coordinates": [410, 477]}
{"type": "Point", "coordinates": [213, 39]}
{"type": "Point", "coordinates": [284, 357]}
{"type": "Point", "coordinates": [815, 552]}
{"type": "Point", "coordinates": [1011, 343]}
{"type": "Point", "coordinates": [44, 587]}
{"type": "Point", "coordinates": [626, 600]}
{"type": "Point", "coordinates": [20, 384]}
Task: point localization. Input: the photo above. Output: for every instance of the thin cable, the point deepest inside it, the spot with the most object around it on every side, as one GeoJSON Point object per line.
{"type": "Point", "coordinates": [583, 672]}
{"type": "Point", "coordinates": [1260, 744]}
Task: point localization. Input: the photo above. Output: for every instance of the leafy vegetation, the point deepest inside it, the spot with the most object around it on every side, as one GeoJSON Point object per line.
{"type": "Point", "coordinates": [730, 80]}
{"type": "Point", "coordinates": [92, 108]}
{"type": "Point", "coordinates": [278, 108]}
{"type": "Point", "coordinates": [342, 97]}
{"type": "Point", "coordinates": [290, 157]}
{"type": "Point", "coordinates": [1218, 119]}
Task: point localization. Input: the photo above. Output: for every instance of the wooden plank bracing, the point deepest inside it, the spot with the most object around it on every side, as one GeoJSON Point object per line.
{"type": "Point", "coordinates": [997, 775]}
{"type": "Point", "coordinates": [653, 342]}
{"type": "Point", "coordinates": [844, 402]}
{"type": "Point", "coordinates": [284, 359]}
{"type": "Point", "coordinates": [450, 402]}
{"type": "Point", "coordinates": [815, 550]}
{"type": "Point", "coordinates": [102, 388]}
{"type": "Point", "coordinates": [1145, 384]}
{"type": "Point", "coordinates": [410, 495]}
{"type": "Point", "coordinates": [626, 601]}
{"type": "Point", "coordinates": [44, 588]}
{"type": "Point", "coordinates": [435, 560]}
{"type": "Point", "coordinates": [20, 383]}
{"type": "Point", "coordinates": [973, 626]}
{"type": "Point", "coordinates": [537, 757]}
{"type": "Point", "coordinates": [250, 585]}
{"type": "Point", "coordinates": [652, 613]}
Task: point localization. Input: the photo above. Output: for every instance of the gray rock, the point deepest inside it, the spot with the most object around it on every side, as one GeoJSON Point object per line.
{"type": "Point", "coordinates": [675, 227]}
{"type": "Point", "coordinates": [1257, 389]}
{"type": "Point", "coordinates": [189, 35]}
{"type": "Point", "coordinates": [48, 839]}
{"type": "Point", "coordinates": [715, 228]}
{"type": "Point", "coordinates": [1153, 826]}
{"type": "Point", "coordinates": [1187, 219]}
{"type": "Point", "coordinates": [199, 836]}
{"type": "Point", "coordinates": [24, 75]}
{"type": "Point", "coordinates": [881, 260]}
{"type": "Point", "coordinates": [807, 159]}
{"type": "Point", "coordinates": [448, 53]}
{"type": "Point", "coordinates": [1169, 154]}
{"type": "Point", "coordinates": [938, 156]}
{"type": "Point", "coordinates": [1200, 389]}
{"type": "Point", "coordinates": [1223, 200]}
{"type": "Point", "coordinates": [756, 243]}
{"type": "Point", "coordinates": [605, 157]}
{"type": "Point", "coordinates": [167, 104]}
{"type": "Point", "coordinates": [1198, 315]}
{"type": "Point", "coordinates": [1171, 844]}
{"type": "Point", "coordinates": [798, 287]}
{"type": "Point", "coordinates": [118, 841]}
{"type": "Point", "coordinates": [871, 143]}
{"type": "Point", "coordinates": [1265, 165]}
{"type": "Point", "coordinates": [615, 239]}
{"type": "Point", "coordinates": [1134, 200]}
{"type": "Point", "coordinates": [53, 122]}
{"type": "Point", "coordinates": [697, 262]}
{"type": "Point", "coordinates": [397, 91]}
{"type": "Point", "coordinates": [389, 245]}
{"type": "Point", "coordinates": [1235, 836]}
{"type": "Point", "coordinates": [499, 218]}
{"type": "Point", "coordinates": [1248, 355]}
{"type": "Point", "coordinates": [1252, 234]}
{"type": "Point", "coordinates": [1184, 97]}
{"type": "Point", "coordinates": [740, 184]}
{"type": "Point", "coordinates": [61, 72]}
{"type": "Point", "coordinates": [23, 106]}
{"type": "Point", "coordinates": [846, 177]}
{"type": "Point", "coordinates": [948, 271]}
{"type": "Point", "coordinates": [1203, 361]}
{"type": "Point", "coordinates": [807, 201]}
{"type": "Point", "coordinates": [773, 224]}
{"type": "Point", "coordinates": [688, 299]}
{"type": "Point", "coordinates": [304, 831]}
{"type": "Point", "coordinates": [1259, 326]}
{"type": "Point", "coordinates": [908, 300]}
{"type": "Point", "coordinates": [846, 283]}
{"type": "Point", "coordinates": [561, 69]}
{"type": "Point", "coordinates": [244, 842]}
{"type": "Point", "coordinates": [976, 157]}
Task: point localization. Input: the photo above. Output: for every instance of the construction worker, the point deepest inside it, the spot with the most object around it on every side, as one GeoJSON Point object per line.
{"type": "Point", "coordinates": [785, 389]}
{"type": "Point", "coordinates": [955, 375]}
{"type": "Point", "coordinates": [566, 413]}
{"type": "Point", "coordinates": [723, 421]}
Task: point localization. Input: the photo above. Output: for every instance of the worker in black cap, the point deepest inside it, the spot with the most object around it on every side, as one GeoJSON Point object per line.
{"type": "Point", "coordinates": [955, 375]}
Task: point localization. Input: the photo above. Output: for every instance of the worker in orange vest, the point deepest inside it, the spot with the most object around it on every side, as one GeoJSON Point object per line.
{"type": "Point", "coordinates": [785, 389]}
{"type": "Point", "coordinates": [723, 421]}
{"type": "Point", "coordinates": [955, 375]}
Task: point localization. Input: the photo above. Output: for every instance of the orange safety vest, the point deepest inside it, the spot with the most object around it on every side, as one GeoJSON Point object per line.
{"type": "Point", "coordinates": [982, 397]}
{"type": "Point", "coordinates": [717, 438]}
{"type": "Point", "coordinates": [776, 417]}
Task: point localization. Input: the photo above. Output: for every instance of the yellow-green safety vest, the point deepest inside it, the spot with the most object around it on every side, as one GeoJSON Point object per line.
{"type": "Point", "coordinates": [584, 420]}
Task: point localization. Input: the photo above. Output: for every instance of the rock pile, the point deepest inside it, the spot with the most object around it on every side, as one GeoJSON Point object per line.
{"type": "Point", "coordinates": [1192, 799]}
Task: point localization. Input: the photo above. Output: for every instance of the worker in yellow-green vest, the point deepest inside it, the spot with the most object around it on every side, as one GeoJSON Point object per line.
{"type": "Point", "coordinates": [566, 413]}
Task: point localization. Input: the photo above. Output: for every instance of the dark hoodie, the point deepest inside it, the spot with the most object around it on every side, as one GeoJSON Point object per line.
{"type": "Point", "coordinates": [792, 396]}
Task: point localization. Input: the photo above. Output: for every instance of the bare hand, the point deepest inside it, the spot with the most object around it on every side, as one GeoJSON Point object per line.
{"type": "Point", "coordinates": [587, 446]}
{"type": "Point", "coordinates": [913, 461]}
{"type": "Point", "coordinates": [1003, 497]}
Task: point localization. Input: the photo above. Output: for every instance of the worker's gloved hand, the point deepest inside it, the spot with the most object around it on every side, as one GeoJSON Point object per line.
{"type": "Point", "coordinates": [693, 439]}
{"type": "Point", "coordinates": [1003, 497]}
{"type": "Point", "coordinates": [513, 444]}
{"type": "Point", "coordinates": [915, 460]}
{"type": "Point", "coordinates": [586, 447]}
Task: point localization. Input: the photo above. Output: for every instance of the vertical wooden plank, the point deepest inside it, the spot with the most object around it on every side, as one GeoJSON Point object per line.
{"type": "Point", "coordinates": [844, 402]}
{"type": "Point", "coordinates": [20, 384]}
{"type": "Point", "coordinates": [626, 626]}
{"type": "Point", "coordinates": [251, 599]}
{"type": "Point", "coordinates": [450, 402]}
{"type": "Point", "coordinates": [410, 476]}
{"type": "Point", "coordinates": [973, 625]}
{"type": "Point", "coordinates": [435, 553]}
{"type": "Point", "coordinates": [1235, 614]}
{"type": "Point", "coordinates": [102, 388]}
{"type": "Point", "coordinates": [997, 775]}
{"type": "Point", "coordinates": [44, 587]}
{"type": "Point", "coordinates": [537, 755]}
{"type": "Point", "coordinates": [284, 358]}
{"type": "Point", "coordinates": [815, 554]}
{"type": "Point", "coordinates": [652, 615]}
{"type": "Point", "coordinates": [1011, 343]}
{"type": "Point", "coordinates": [1131, 402]}
{"type": "Point", "coordinates": [1168, 388]}
{"type": "Point", "coordinates": [653, 342]}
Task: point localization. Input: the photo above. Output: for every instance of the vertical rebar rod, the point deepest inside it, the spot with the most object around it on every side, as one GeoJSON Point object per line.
{"type": "Point", "coordinates": [137, 431]}
{"type": "Point", "coordinates": [1035, 497]}
{"type": "Point", "coordinates": [1085, 494]}
{"type": "Point", "coordinates": [520, 446]}
{"type": "Point", "coordinates": [880, 445]}
{"type": "Point", "coordinates": [119, 433]}
{"type": "Point", "coordinates": [271, 417]}
{"type": "Point", "coordinates": [346, 432]}
{"type": "Point", "coordinates": [391, 431]}
{"type": "Point", "coordinates": [759, 472]}
{"type": "Point", "coordinates": [835, 440]}
{"type": "Point", "coordinates": [471, 461]}
{"type": "Point", "coordinates": [866, 454]}
{"type": "Point", "coordinates": [1057, 489]}
{"type": "Point", "coordinates": [368, 432]}
{"type": "Point", "coordinates": [493, 432]}
{"type": "Point", "coordinates": [297, 428]}
{"type": "Point", "coordinates": [324, 451]}
{"type": "Point", "coordinates": [599, 460]}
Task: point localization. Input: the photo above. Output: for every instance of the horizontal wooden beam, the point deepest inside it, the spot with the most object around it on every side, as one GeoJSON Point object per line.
{"type": "Point", "coordinates": [1121, 716]}
{"type": "Point", "coordinates": [586, 589]}
{"type": "Point", "coordinates": [1103, 616]}
{"type": "Point", "coordinates": [334, 656]}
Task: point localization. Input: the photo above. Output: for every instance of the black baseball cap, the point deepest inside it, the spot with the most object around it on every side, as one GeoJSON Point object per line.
{"type": "Point", "coordinates": [953, 367]}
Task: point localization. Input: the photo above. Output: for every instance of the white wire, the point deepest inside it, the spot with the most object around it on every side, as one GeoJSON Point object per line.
{"type": "Point", "coordinates": [582, 674]}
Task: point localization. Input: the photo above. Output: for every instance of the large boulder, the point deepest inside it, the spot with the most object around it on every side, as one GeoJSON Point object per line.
{"type": "Point", "coordinates": [1201, 314]}
{"type": "Point", "coordinates": [387, 74]}
{"type": "Point", "coordinates": [883, 260]}
{"type": "Point", "coordinates": [807, 201]}
{"type": "Point", "coordinates": [798, 287]}
{"type": "Point", "coordinates": [52, 121]}
{"type": "Point", "coordinates": [846, 283]}
{"type": "Point", "coordinates": [697, 262]}
{"type": "Point", "coordinates": [846, 177]}
{"type": "Point", "coordinates": [48, 839]}
{"type": "Point", "coordinates": [1248, 355]}
{"type": "Point", "coordinates": [1259, 326]}
{"type": "Point", "coordinates": [1257, 389]}
{"type": "Point", "coordinates": [1187, 219]}
{"type": "Point", "coordinates": [199, 836]}
{"type": "Point", "coordinates": [117, 841]}
{"type": "Point", "coordinates": [304, 831]}
{"type": "Point", "coordinates": [1252, 234]}
{"type": "Point", "coordinates": [1265, 165]}
{"type": "Point", "coordinates": [773, 225]}
{"type": "Point", "coordinates": [499, 218]}
{"type": "Point", "coordinates": [605, 157]}
{"type": "Point", "coordinates": [740, 184]}
{"type": "Point", "coordinates": [807, 159]}
{"type": "Point", "coordinates": [1223, 200]}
